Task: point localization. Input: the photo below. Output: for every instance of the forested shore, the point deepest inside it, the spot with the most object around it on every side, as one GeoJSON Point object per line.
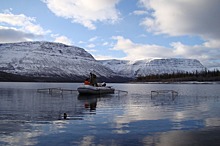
{"type": "Point", "coordinates": [203, 76]}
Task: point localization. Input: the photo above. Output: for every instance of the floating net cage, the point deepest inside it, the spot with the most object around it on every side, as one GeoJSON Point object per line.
{"type": "Point", "coordinates": [171, 94]}
{"type": "Point", "coordinates": [55, 90]}
{"type": "Point", "coordinates": [70, 91]}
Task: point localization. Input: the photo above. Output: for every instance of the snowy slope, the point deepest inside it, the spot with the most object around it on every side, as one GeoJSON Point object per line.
{"type": "Point", "coordinates": [56, 60]}
{"type": "Point", "coordinates": [46, 59]}
{"type": "Point", "coordinates": [154, 66]}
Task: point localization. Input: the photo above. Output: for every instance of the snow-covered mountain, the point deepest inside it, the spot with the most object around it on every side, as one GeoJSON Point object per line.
{"type": "Point", "coordinates": [50, 60]}
{"type": "Point", "coordinates": [47, 61]}
{"type": "Point", "coordinates": [154, 66]}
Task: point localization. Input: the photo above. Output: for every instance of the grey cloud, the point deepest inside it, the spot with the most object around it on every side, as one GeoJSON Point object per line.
{"type": "Point", "coordinates": [204, 19]}
{"type": "Point", "coordinates": [12, 35]}
{"type": "Point", "coordinates": [197, 17]}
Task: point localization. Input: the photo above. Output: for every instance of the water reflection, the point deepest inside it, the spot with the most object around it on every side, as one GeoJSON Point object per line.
{"type": "Point", "coordinates": [28, 105]}
{"type": "Point", "coordinates": [31, 118]}
{"type": "Point", "coordinates": [212, 122]}
{"type": "Point", "coordinates": [203, 137]}
{"type": "Point", "coordinates": [90, 101]}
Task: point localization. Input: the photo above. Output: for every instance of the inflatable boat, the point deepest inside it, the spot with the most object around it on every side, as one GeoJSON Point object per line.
{"type": "Point", "coordinates": [91, 90]}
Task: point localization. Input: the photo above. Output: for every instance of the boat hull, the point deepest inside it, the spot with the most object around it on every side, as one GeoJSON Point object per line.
{"type": "Point", "coordinates": [91, 90]}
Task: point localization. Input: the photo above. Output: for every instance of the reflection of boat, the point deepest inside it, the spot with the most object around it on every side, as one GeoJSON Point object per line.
{"type": "Point", "coordinates": [90, 102]}
{"type": "Point", "coordinates": [87, 89]}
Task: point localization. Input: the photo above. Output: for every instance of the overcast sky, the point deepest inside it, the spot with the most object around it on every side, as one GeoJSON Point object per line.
{"type": "Point", "coordinates": [119, 29]}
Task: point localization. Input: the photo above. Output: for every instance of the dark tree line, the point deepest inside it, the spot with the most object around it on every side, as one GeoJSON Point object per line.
{"type": "Point", "coordinates": [10, 77]}
{"type": "Point", "coordinates": [205, 75]}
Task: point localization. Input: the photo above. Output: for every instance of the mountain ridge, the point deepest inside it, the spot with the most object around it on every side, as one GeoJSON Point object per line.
{"type": "Point", "coordinates": [48, 61]}
{"type": "Point", "coordinates": [153, 66]}
{"type": "Point", "coordinates": [51, 61]}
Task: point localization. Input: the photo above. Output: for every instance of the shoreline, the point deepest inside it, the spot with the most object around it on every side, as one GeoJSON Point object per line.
{"type": "Point", "coordinates": [132, 82]}
{"type": "Point", "coordinates": [184, 82]}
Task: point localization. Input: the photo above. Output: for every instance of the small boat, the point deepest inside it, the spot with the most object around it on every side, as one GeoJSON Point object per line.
{"type": "Point", "coordinates": [91, 90]}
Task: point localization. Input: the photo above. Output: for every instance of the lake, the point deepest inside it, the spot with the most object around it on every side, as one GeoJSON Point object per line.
{"type": "Point", "coordinates": [29, 117]}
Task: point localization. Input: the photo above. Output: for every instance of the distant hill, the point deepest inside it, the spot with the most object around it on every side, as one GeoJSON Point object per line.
{"type": "Point", "coordinates": [154, 66]}
{"type": "Point", "coordinates": [47, 61]}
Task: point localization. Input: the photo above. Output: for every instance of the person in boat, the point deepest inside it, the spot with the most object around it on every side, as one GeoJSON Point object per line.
{"type": "Point", "coordinates": [93, 81]}
{"type": "Point", "coordinates": [86, 82]}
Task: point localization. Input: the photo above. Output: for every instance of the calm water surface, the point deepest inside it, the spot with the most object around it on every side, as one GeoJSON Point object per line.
{"type": "Point", "coordinates": [28, 117]}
